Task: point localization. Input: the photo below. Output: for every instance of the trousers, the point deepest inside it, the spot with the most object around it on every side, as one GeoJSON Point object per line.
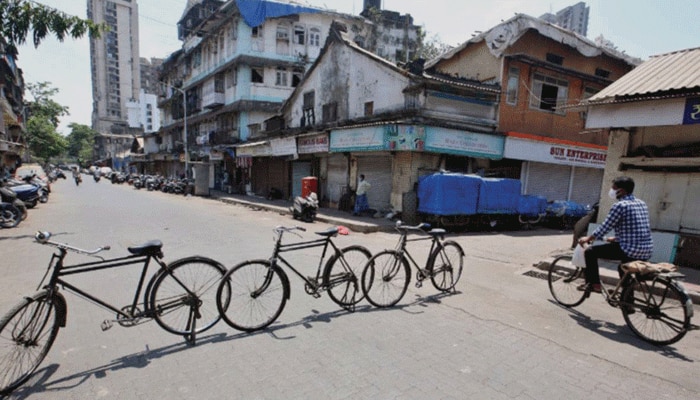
{"type": "Point", "coordinates": [607, 251]}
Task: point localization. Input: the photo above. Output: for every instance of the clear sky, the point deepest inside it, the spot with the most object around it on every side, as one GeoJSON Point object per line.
{"type": "Point", "coordinates": [640, 28]}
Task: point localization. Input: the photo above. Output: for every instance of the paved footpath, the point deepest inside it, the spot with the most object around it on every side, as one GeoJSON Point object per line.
{"type": "Point", "coordinates": [500, 336]}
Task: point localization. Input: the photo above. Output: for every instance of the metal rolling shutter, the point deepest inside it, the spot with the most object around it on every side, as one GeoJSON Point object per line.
{"type": "Point", "coordinates": [337, 177]}
{"type": "Point", "coordinates": [377, 171]}
{"type": "Point", "coordinates": [300, 169]}
{"type": "Point", "coordinates": [548, 180]}
{"type": "Point", "coordinates": [586, 186]}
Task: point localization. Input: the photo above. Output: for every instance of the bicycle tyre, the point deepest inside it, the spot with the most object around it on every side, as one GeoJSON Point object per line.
{"type": "Point", "coordinates": [258, 294]}
{"type": "Point", "coordinates": [655, 310]}
{"type": "Point", "coordinates": [172, 304]}
{"type": "Point", "coordinates": [447, 273]}
{"type": "Point", "coordinates": [563, 280]}
{"type": "Point", "coordinates": [385, 278]}
{"type": "Point", "coordinates": [41, 314]}
{"type": "Point", "coordinates": [342, 275]}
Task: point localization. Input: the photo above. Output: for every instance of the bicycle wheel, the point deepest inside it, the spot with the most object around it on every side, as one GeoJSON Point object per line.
{"type": "Point", "coordinates": [445, 265]}
{"type": "Point", "coordinates": [564, 279]}
{"type": "Point", "coordinates": [26, 335]}
{"type": "Point", "coordinates": [385, 278]}
{"type": "Point", "coordinates": [184, 300]}
{"type": "Point", "coordinates": [655, 310]}
{"type": "Point", "coordinates": [342, 276]}
{"type": "Point", "coordinates": [258, 293]}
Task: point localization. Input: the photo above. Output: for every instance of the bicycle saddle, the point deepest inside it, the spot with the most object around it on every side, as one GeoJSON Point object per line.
{"type": "Point", "coordinates": [436, 232]}
{"type": "Point", "coordinates": [329, 232]}
{"type": "Point", "coordinates": [151, 248]}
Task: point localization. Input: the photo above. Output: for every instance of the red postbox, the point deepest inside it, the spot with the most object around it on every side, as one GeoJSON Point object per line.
{"type": "Point", "coordinates": [309, 184]}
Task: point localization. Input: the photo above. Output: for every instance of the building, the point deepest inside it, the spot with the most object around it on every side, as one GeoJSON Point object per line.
{"type": "Point", "coordinates": [393, 133]}
{"type": "Point", "coordinates": [236, 68]}
{"type": "Point", "coordinates": [116, 77]}
{"type": "Point", "coordinates": [573, 18]}
{"type": "Point", "coordinates": [12, 130]}
{"type": "Point", "coordinates": [653, 116]}
{"type": "Point", "coordinates": [541, 68]}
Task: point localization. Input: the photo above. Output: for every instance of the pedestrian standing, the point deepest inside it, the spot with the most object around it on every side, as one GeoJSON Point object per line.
{"type": "Point", "coordinates": [361, 203]}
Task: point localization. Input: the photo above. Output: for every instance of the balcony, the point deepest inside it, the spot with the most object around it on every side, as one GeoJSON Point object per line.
{"type": "Point", "coordinates": [213, 100]}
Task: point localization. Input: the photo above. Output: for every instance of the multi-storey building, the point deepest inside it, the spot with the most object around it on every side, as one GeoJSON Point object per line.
{"type": "Point", "coordinates": [573, 18]}
{"type": "Point", "coordinates": [541, 68]}
{"type": "Point", "coordinates": [114, 58]}
{"type": "Point", "coordinates": [12, 138]}
{"type": "Point", "coordinates": [237, 66]}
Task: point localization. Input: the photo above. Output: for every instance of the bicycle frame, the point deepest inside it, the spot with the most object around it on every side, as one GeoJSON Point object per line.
{"type": "Point", "coordinates": [290, 247]}
{"type": "Point", "coordinates": [403, 241]}
{"type": "Point", "coordinates": [59, 270]}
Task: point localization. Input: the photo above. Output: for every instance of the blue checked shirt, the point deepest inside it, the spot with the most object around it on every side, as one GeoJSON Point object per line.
{"type": "Point", "coordinates": [630, 219]}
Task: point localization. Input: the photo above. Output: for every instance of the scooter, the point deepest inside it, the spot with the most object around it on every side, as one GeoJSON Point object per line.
{"type": "Point", "coordinates": [10, 197]}
{"type": "Point", "coordinates": [305, 208]}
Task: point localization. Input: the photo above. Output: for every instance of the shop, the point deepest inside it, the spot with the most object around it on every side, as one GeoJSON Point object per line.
{"type": "Point", "coordinates": [558, 169]}
{"type": "Point", "coordinates": [312, 150]}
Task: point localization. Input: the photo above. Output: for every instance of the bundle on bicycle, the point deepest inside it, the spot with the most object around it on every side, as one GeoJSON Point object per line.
{"type": "Point", "coordinates": [654, 303]}
{"type": "Point", "coordinates": [253, 293]}
{"type": "Point", "coordinates": [179, 296]}
{"type": "Point", "coordinates": [387, 274]}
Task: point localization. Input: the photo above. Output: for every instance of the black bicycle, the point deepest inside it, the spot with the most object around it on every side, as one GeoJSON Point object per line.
{"type": "Point", "coordinates": [179, 296]}
{"type": "Point", "coordinates": [387, 274]}
{"type": "Point", "coordinates": [259, 289]}
{"type": "Point", "coordinates": [654, 304]}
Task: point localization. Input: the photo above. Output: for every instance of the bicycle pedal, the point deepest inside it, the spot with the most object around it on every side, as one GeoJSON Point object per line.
{"type": "Point", "coordinates": [316, 295]}
{"type": "Point", "coordinates": [419, 284]}
{"type": "Point", "coordinates": [106, 324]}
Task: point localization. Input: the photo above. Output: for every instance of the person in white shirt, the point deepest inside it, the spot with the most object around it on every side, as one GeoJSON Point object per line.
{"type": "Point", "coordinates": [361, 196]}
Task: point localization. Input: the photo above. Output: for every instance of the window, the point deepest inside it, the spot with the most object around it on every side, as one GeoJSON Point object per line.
{"type": "Point", "coordinates": [330, 112]}
{"type": "Point", "coordinates": [513, 83]}
{"type": "Point", "coordinates": [231, 77]}
{"type": "Point", "coordinates": [308, 117]}
{"type": "Point", "coordinates": [282, 33]}
{"type": "Point", "coordinates": [233, 32]}
{"type": "Point", "coordinates": [281, 77]}
{"type": "Point", "coordinates": [369, 108]}
{"type": "Point", "coordinates": [315, 37]}
{"type": "Point", "coordinates": [299, 35]}
{"type": "Point", "coordinates": [555, 58]}
{"type": "Point", "coordinates": [257, 75]}
{"type": "Point", "coordinates": [219, 83]}
{"type": "Point", "coordinates": [602, 73]}
{"type": "Point", "coordinates": [257, 32]}
{"type": "Point", "coordinates": [548, 93]}
{"type": "Point", "coordinates": [297, 75]}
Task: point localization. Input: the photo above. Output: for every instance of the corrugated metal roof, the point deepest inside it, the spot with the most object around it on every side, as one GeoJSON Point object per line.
{"type": "Point", "coordinates": [676, 71]}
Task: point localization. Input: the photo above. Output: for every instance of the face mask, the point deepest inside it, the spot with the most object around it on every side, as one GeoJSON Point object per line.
{"type": "Point", "coordinates": [612, 194]}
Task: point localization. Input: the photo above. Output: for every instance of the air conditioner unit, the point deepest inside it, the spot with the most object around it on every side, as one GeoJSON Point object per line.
{"type": "Point", "coordinates": [283, 35]}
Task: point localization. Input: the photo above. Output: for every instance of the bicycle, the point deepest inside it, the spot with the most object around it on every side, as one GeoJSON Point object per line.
{"type": "Point", "coordinates": [655, 305]}
{"type": "Point", "coordinates": [260, 288]}
{"type": "Point", "coordinates": [179, 296]}
{"type": "Point", "coordinates": [387, 274]}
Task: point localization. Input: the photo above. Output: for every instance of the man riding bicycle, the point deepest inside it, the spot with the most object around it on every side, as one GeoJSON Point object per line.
{"type": "Point", "coordinates": [629, 217]}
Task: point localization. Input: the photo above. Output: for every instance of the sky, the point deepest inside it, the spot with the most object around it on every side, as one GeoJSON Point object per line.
{"type": "Point", "coordinates": [640, 28]}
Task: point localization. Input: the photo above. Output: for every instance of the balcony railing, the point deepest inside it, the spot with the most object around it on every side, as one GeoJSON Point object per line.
{"type": "Point", "coordinates": [213, 100]}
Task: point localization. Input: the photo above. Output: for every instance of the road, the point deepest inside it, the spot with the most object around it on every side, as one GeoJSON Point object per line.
{"type": "Point", "coordinates": [499, 337]}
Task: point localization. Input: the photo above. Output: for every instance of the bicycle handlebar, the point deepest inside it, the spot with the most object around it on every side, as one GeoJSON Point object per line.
{"type": "Point", "coordinates": [43, 238]}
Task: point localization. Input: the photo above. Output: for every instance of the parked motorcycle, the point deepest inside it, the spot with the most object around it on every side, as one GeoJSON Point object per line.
{"type": "Point", "coordinates": [305, 208]}
{"type": "Point", "coordinates": [29, 194]}
{"type": "Point", "coordinates": [10, 197]}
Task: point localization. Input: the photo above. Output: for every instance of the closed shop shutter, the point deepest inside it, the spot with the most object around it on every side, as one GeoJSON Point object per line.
{"type": "Point", "coordinates": [548, 180]}
{"type": "Point", "coordinates": [300, 169]}
{"type": "Point", "coordinates": [586, 186]}
{"type": "Point", "coordinates": [377, 171]}
{"type": "Point", "coordinates": [337, 177]}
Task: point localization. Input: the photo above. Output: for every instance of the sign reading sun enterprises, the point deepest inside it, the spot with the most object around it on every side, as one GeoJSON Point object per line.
{"type": "Point", "coordinates": [520, 146]}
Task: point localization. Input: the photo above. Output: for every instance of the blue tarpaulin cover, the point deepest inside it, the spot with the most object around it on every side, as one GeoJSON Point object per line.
{"type": "Point", "coordinates": [531, 205]}
{"type": "Point", "coordinates": [498, 196]}
{"type": "Point", "coordinates": [560, 208]}
{"type": "Point", "coordinates": [255, 12]}
{"type": "Point", "coordinates": [448, 194]}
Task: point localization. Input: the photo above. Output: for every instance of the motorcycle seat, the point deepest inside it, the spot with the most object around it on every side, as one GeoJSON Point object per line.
{"type": "Point", "coordinates": [151, 248]}
{"type": "Point", "coordinates": [328, 232]}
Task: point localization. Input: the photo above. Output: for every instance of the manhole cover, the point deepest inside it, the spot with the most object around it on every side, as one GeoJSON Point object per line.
{"type": "Point", "coordinates": [536, 274]}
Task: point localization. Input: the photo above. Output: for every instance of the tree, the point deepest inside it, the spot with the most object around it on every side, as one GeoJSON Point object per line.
{"type": "Point", "coordinates": [20, 17]}
{"type": "Point", "coordinates": [432, 47]}
{"type": "Point", "coordinates": [81, 141]}
{"type": "Point", "coordinates": [44, 116]}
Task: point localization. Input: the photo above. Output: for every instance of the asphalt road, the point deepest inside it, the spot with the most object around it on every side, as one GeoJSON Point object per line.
{"type": "Point", "coordinates": [499, 337]}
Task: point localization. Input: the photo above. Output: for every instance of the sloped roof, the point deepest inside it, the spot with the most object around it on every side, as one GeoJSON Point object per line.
{"type": "Point", "coordinates": [664, 74]}
{"type": "Point", "coordinates": [503, 35]}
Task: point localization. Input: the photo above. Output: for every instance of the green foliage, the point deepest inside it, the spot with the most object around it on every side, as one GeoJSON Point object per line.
{"type": "Point", "coordinates": [81, 141]}
{"type": "Point", "coordinates": [43, 105]}
{"type": "Point", "coordinates": [432, 48]}
{"type": "Point", "coordinates": [44, 142]}
{"type": "Point", "coordinates": [19, 18]}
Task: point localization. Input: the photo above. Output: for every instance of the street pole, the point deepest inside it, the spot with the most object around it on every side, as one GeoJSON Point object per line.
{"type": "Point", "coordinates": [187, 154]}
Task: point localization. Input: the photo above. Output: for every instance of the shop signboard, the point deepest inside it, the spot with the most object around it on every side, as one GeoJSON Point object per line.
{"type": "Point", "coordinates": [313, 144]}
{"type": "Point", "coordinates": [552, 151]}
{"type": "Point", "coordinates": [691, 114]}
{"type": "Point", "coordinates": [472, 144]}
{"type": "Point", "coordinates": [358, 139]}
{"type": "Point", "coordinates": [283, 146]}
{"type": "Point", "coordinates": [257, 149]}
